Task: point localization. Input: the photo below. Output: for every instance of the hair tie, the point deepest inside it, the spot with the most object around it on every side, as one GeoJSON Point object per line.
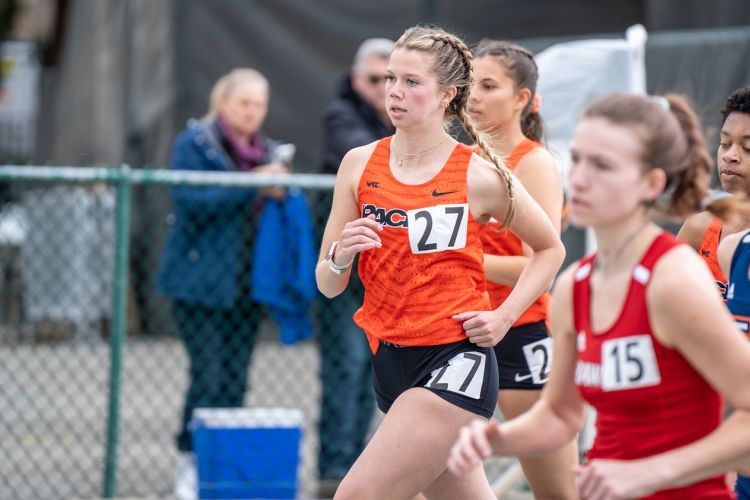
{"type": "Point", "coordinates": [661, 101]}
{"type": "Point", "coordinates": [536, 103]}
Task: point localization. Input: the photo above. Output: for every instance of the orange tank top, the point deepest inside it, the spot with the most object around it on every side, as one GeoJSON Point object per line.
{"type": "Point", "coordinates": [496, 241]}
{"type": "Point", "coordinates": [430, 265]}
{"type": "Point", "coordinates": [709, 251]}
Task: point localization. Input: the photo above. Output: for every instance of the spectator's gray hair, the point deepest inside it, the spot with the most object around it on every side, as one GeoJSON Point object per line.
{"type": "Point", "coordinates": [224, 86]}
{"type": "Point", "coordinates": [380, 47]}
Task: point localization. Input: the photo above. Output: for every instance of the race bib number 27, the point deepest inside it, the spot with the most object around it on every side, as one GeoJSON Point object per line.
{"type": "Point", "coordinates": [439, 228]}
{"type": "Point", "coordinates": [464, 374]}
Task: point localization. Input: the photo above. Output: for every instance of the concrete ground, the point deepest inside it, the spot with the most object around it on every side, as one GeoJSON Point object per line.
{"type": "Point", "coordinates": [54, 411]}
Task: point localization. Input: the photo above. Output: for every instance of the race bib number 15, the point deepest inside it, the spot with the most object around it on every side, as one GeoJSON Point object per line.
{"type": "Point", "coordinates": [629, 363]}
{"type": "Point", "coordinates": [434, 229]}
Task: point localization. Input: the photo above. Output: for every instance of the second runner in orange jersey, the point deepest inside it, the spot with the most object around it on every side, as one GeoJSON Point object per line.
{"type": "Point", "coordinates": [505, 104]}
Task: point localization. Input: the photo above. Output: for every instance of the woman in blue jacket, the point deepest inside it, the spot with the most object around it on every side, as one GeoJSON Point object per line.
{"type": "Point", "coordinates": [206, 265]}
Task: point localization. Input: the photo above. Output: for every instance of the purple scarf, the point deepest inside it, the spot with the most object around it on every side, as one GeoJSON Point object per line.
{"type": "Point", "coordinates": [247, 155]}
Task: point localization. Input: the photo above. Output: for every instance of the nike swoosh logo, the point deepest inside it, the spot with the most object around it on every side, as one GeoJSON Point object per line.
{"type": "Point", "coordinates": [435, 192]}
{"type": "Point", "coordinates": [520, 378]}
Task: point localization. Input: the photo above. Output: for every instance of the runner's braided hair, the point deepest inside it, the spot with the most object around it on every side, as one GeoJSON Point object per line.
{"type": "Point", "coordinates": [453, 66]}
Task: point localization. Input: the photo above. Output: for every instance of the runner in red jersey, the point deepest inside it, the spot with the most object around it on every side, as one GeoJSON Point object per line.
{"type": "Point", "coordinates": [504, 104]}
{"type": "Point", "coordinates": [410, 205]}
{"type": "Point", "coordinates": [627, 373]}
{"type": "Point", "coordinates": [639, 331]}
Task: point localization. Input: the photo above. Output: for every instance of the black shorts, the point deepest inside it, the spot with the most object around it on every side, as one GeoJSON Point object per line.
{"type": "Point", "coordinates": [461, 373]}
{"type": "Point", "coordinates": [524, 356]}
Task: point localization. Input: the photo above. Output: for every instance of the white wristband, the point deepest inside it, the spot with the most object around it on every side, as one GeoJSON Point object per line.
{"type": "Point", "coordinates": [338, 269]}
{"type": "Point", "coordinates": [331, 264]}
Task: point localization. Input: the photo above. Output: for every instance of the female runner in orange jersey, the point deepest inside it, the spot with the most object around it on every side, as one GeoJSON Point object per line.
{"type": "Point", "coordinates": [639, 331]}
{"type": "Point", "coordinates": [410, 205]}
{"type": "Point", "coordinates": [504, 104]}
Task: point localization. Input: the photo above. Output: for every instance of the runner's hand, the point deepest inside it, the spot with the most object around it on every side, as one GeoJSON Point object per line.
{"type": "Point", "coordinates": [474, 444]}
{"type": "Point", "coordinates": [614, 479]}
{"type": "Point", "coordinates": [484, 328]}
{"type": "Point", "coordinates": [358, 236]}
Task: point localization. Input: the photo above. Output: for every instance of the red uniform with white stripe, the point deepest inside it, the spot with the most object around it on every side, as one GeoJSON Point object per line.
{"type": "Point", "coordinates": [430, 266]}
{"type": "Point", "coordinates": [648, 398]}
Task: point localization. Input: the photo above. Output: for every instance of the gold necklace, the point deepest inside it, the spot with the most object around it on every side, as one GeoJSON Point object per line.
{"type": "Point", "coordinates": [411, 156]}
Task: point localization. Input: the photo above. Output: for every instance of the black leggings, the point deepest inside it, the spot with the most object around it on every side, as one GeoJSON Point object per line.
{"type": "Point", "coordinates": [219, 343]}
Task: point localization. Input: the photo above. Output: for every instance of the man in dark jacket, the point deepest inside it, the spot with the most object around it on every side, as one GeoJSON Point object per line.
{"type": "Point", "coordinates": [355, 118]}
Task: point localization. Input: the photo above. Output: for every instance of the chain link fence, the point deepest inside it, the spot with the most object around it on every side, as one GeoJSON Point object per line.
{"type": "Point", "coordinates": [113, 280]}
{"type": "Point", "coordinates": [101, 306]}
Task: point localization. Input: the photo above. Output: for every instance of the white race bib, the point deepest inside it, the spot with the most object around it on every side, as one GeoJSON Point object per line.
{"type": "Point", "coordinates": [629, 363]}
{"type": "Point", "coordinates": [538, 358]}
{"type": "Point", "coordinates": [434, 229]}
{"type": "Point", "coordinates": [464, 374]}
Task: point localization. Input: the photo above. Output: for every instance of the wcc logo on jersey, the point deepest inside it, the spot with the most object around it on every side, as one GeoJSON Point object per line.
{"type": "Point", "coordinates": [395, 217]}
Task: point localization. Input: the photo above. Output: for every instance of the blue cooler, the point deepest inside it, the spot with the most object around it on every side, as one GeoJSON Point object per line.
{"type": "Point", "coordinates": [247, 452]}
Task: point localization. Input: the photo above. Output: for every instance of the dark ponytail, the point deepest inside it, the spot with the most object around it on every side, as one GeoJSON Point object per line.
{"type": "Point", "coordinates": [532, 125]}
{"type": "Point", "coordinates": [521, 67]}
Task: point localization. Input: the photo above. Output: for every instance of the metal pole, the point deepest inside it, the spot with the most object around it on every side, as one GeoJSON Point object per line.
{"type": "Point", "coordinates": [117, 333]}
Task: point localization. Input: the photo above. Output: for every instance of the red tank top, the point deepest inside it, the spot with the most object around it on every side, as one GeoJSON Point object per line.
{"type": "Point", "coordinates": [496, 241]}
{"type": "Point", "coordinates": [648, 398]}
{"type": "Point", "coordinates": [430, 266]}
{"type": "Point", "coordinates": [709, 251]}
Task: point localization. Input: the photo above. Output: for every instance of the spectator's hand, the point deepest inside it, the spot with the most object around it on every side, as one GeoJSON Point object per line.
{"type": "Point", "coordinates": [358, 235]}
{"type": "Point", "coordinates": [271, 169]}
{"type": "Point", "coordinates": [474, 444]}
{"type": "Point", "coordinates": [484, 328]}
{"type": "Point", "coordinates": [614, 479]}
{"type": "Point", "coordinates": [277, 193]}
